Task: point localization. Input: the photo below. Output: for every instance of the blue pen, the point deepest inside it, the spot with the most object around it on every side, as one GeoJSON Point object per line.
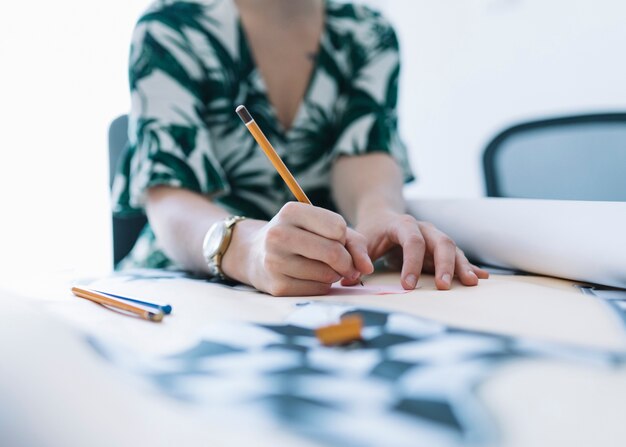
{"type": "Point", "coordinates": [166, 309]}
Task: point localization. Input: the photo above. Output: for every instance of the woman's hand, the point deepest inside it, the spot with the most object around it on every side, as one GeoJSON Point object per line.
{"type": "Point", "coordinates": [303, 250]}
{"type": "Point", "coordinates": [423, 247]}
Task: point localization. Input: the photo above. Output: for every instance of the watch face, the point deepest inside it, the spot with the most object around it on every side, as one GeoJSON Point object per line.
{"type": "Point", "coordinates": [214, 238]}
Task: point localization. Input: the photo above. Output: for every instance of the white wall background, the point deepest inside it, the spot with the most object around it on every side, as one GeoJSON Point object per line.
{"type": "Point", "coordinates": [474, 66]}
{"type": "Point", "coordinates": [471, 67]}
{"type": "Point", "coordinates": [62, 80]}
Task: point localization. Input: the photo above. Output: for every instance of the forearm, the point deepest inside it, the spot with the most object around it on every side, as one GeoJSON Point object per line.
{"type": "Point", "coordinates": [367, 185]}
{"type": "Point", "coordinates": [180, 219]}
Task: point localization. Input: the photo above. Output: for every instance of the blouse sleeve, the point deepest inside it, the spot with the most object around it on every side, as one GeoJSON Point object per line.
{"type": "Point", "coordinates": [368, 119]}
{"type": "Point", "coordinates": [169, 142]}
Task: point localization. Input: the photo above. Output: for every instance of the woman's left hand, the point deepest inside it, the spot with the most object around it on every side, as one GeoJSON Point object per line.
{"type": "Point", "coordinates": [423, 247]}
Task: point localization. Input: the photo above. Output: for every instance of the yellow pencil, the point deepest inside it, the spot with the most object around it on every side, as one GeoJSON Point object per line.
{"type": "Point", "coordinates": [269, 150]}
{"type": "Point", "coordinates": [101, 298]}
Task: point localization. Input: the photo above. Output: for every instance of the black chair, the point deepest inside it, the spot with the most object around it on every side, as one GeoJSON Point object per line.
{"type": "Point", "coordinates": [570, 158]}
{"type": "Point", "coordinates": [125, 229]}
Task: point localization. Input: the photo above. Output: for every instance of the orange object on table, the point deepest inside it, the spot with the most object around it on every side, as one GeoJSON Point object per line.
{"type": "Point", "coordinates": [348, 330]}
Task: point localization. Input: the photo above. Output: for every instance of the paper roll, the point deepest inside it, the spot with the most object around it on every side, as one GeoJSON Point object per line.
{"type": "Point", "coordinates": [582, 241]}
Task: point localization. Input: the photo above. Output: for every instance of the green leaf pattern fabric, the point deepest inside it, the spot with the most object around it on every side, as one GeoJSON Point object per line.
{"type": "Point", "coordinates": [190, 66]}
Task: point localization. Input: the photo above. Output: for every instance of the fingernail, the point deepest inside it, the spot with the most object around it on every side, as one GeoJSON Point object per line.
{"type": "Point", "coordinates": [355, 276]}
{"type": "Point", "coordinates": [411, 281]}
{"type": "Point", "coordinates": [471, 273]}
{"type": "Point", "coordinates": [446, 278]}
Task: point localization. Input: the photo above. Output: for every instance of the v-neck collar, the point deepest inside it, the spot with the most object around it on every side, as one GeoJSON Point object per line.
{"type": "Point", "coordinates": [283, 132]}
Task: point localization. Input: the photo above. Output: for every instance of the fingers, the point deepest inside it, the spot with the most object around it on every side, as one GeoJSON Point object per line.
{"type": "Point", "coordinates": [326, 238]}
{"type": "Point", "coordinates": [465, 270]}
{"type": "Point", "coordinates": [417, 239]}
{"type": "Point", "coordinates": [286, 241]}
{"type": "Point", "coordinates": [407, 234]}
{"type": "Point", "coordinates": [298, 267]}
{"type": "Point", "coordinates": [350, 282]}
{"type": "Point", "coordinates": [448, 259]}
{"type": "Point", "coordinates": [313, 219]}
{"type": "Point", "coordinates": [288, 286]}
{"type": "Point", "coordinates": [444, 252]}
{"type": "Point", "coordinates": [482, 274]}
{"type": "Point", "coordinates": [356, 244]}
{"type": "Point", "coordinates": [350, 261]}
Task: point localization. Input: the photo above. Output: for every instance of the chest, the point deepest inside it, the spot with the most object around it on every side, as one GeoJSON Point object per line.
{"type": "Point", "coordinates": [285, 58]}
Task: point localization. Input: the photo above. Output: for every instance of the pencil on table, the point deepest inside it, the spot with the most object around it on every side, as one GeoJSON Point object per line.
{"type": "Point", "coordinates": [165, 308]}
{"type": "Point", "coordinates": [106, 300]}
{"type": "Point", "coordinates": [269, 150]}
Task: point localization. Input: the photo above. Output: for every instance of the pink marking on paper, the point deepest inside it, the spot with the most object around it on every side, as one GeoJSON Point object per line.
{"type": "Point", "coordinates": [373, 289]}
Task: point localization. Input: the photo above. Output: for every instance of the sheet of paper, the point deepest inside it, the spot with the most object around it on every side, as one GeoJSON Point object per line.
{"type": "Point", "coordinates": [583, 241]}
{"type": "Point", "coordinates": [408, 378]}
{"type": "Point", "coordinates": [546, 309]}
{"type": "Point", "coordinates": [521, 305]}
{"type": "Point", "coordinates": [367, 289]}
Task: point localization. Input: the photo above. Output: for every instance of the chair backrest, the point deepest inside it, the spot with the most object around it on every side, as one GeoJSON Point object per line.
{"type": "Point", "coordinates": [125, 229]}
{"type": "Point", "coordinates": [571, 158]}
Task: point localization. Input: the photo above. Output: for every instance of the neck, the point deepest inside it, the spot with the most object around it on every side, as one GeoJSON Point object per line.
{"type": "Point", "coordinates": [280, 9]}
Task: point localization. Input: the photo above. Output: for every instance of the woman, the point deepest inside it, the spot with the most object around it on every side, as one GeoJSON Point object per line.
{"type": "Point", "coordinates": [320, 78]}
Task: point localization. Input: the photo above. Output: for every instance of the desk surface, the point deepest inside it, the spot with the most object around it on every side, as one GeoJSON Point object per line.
{"type": "Point", "coordinates": [54, 376]}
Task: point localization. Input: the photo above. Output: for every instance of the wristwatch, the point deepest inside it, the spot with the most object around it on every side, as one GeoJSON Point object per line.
{"type": "Point", "coordinates": [216, 242]}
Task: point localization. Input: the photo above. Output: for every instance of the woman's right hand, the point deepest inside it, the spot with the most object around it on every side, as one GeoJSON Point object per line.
{"type": "Point", "coordinates": [303, 250]}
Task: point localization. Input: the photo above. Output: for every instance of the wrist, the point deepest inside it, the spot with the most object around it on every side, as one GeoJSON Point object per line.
{"type": "Point", "coordinates": [236, 259]}
{"type": "Point", "coordinates": [216, 241]}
